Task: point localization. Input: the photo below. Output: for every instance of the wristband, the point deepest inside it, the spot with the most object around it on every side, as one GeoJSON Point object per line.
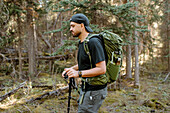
{"type": "Point", "coordinates": [80, 73]}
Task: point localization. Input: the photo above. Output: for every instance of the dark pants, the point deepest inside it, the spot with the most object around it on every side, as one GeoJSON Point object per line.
{"type": "Point", "coordinates": [91, 101]}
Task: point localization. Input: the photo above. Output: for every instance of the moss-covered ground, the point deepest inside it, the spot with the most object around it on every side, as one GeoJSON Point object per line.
{"type": "Point", "coordinates": [153, 95]}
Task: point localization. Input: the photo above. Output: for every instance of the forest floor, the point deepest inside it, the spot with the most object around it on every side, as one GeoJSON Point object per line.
{"type": "Point", "coordinates": [153, 95]}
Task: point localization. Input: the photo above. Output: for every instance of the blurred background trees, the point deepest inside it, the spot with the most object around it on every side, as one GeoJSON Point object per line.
{"type": "Point", "coordinates": [35, 33]}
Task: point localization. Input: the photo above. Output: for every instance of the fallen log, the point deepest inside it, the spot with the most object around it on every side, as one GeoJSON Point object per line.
{"type": "Point", "coordinates": [34, 86]}
{"type": "Point", "coordinates": [44, 86]}
{"type": "Point", "coordinates": [50, 94]}
{"type": "Point", "coordinates": [12, 92]}
{"type": "Point", "coordinates": [60, 57]}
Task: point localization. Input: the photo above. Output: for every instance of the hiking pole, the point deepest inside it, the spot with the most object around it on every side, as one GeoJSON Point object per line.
{"type": "Point", "coordinates": [69, 96]}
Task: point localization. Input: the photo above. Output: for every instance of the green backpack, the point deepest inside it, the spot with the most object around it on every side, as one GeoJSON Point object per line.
{"type": "Point", "coordinates": [113, 49]}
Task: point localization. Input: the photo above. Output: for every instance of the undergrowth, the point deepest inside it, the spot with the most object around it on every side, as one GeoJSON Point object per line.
{"type": "Point", "coordinates": [151, 96]}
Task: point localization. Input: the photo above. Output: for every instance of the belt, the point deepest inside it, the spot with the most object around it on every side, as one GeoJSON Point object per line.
{"type": "Point", "coordinates": [89, 87]}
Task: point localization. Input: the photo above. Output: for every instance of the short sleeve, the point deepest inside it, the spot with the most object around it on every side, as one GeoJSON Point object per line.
{"type": "Point", "coordinates": [96, 50]}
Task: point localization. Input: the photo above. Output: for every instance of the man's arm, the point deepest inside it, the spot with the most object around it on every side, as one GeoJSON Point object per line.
{"type": "Point", "coordinates": [98, 70]}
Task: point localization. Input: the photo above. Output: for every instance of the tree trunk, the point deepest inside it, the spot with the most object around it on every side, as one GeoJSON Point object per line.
{"type": "Point", "coordinates": [94, 14]}
{"type": "Point", "coordinates": [30, 35]}
{"type": "Point", "coordinates": [128, 61]}
{"type": "Point", "coordinates": [167, 32]}
{"type": "Point", "coordinates": [35, 46]}
{"type": "Point", "coordinates": [169, 56]}
{"type": "Point", "coordinates": [19, 45]}
{"type": "Point", "coordinates": [47, 29]}
{"type": "Point", "coordinates": [128, 55]}
{"type": "Point", "coordinates": [136, 54]}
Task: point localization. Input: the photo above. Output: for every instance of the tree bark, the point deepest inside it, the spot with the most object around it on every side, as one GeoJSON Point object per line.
{"type": "Point", "coordinates": [94, 13]}
{"type": "Point", "coordinates": [128, 61]}
{"type": "Point", "coordinates": [35, 49]}
{"type": "Point", "coordinates": [30, 35]}
{"type": "Point", "coordinates": [167, 28]}
{"type": "Point", "coordinates": [19, 45]}
{"type": "Point", "coordinates": [136, 54]}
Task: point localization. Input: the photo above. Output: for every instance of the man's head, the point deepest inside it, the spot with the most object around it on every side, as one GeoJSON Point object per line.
{"type": "Point", "coordinates": [77, 22]}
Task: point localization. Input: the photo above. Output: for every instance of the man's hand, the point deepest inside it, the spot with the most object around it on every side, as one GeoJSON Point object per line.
{"type": "Point", "coordinates": [63, 73]}
{"type": "Point", "coordinates": [70, 72]}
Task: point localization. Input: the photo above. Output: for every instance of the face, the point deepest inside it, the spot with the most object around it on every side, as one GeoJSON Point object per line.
{"type": "Point", "coordinates": [75, 29]}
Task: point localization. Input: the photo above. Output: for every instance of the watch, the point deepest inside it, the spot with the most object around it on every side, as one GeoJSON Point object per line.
{"type": "Point", "coordinates": [80, 73]}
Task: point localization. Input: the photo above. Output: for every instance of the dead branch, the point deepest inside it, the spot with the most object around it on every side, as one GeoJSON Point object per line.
{"type": "Point", "coordinates": [4, 57]}
{"type": "Point", "coordinates": [50, 94]}
{"type": "Point", "coordinates": [12, 92]}
{"type": "Point", "coordinates": [60, 57]}
{"type": "Point", "coordinates": [34, 86]}
{"type": "Point", "coordinates": [166, 77]}
{"type": "Point", "coordinates": [38, 86]}
{"type": "Point", "coordinates": [42, 86]}
{"type": "Point", "coordinates": [43, 39]}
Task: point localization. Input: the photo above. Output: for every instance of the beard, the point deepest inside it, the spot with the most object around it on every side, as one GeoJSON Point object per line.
{"type": "Point", "coordinates": [76, 34]}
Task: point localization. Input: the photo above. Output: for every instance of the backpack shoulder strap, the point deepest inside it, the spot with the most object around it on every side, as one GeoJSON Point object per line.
{"type": "Point", "coordinates": [91, 36]}
{"type": "Point", "coordinates": [86, 48]}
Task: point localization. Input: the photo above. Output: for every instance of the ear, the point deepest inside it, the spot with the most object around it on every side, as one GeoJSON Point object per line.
{"type": "Point", "coordinates": [82, 25]}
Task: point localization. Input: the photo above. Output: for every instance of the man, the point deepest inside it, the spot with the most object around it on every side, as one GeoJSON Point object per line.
{"type": "Point", "coordinates": [91, 96]}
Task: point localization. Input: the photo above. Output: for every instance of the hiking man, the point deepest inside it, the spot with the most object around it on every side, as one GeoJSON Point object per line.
{"type": "Point", "coordinates": [92, 93]}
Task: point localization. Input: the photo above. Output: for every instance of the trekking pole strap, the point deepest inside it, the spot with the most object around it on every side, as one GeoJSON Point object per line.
{"type": "Point", "coordinates": [82, 97]}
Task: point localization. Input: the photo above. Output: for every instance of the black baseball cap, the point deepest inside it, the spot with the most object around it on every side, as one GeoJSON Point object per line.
{"type": "Point", "coordinates": [81, 18]}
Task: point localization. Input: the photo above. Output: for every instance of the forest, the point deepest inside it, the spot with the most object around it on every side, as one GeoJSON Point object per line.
{"type": "Point", "coordinates": [36, 45]}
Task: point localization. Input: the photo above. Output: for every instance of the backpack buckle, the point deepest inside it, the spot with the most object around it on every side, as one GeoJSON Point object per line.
{"type": "Point", "coordinates": [86, 80]}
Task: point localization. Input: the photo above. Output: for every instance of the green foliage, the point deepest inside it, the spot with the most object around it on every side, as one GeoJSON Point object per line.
{"type": "Point", "coordinates": [4, 41]}
{"type": "Point", "coordinates": [64, 28]}
{"type": "Point", "coordinates": [167, 55]}
{"type": "Point", "coordinates": [123, 14]}
{"type": "Point", "coordinates": [69, 47]}
{"type": "Point", "coordinates": [104, 15]}
{"type": "Point", "coordinates": [95, 28]}
{"type": "Point", "coordinates": [68, 5]}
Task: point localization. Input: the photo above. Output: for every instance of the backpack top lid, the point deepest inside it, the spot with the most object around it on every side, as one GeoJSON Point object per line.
{"type": "Point", "coordinates": [112, 43]}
